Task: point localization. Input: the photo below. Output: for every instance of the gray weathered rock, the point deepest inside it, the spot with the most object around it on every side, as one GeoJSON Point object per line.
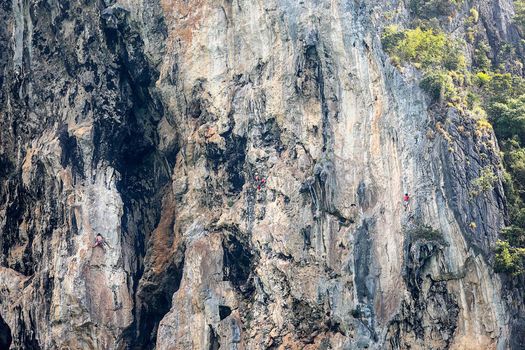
{"type": "Point", "coordinates": [148, 122]}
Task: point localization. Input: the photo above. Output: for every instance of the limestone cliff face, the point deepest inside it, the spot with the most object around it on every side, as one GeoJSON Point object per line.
{"type": "Point", "coordinates": [148, 120]}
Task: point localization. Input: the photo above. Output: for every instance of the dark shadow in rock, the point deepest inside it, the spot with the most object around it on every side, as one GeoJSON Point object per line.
{"type": "Point", "coordinates": [517, 339]}
{"type": "Point", "coordinates": [129, 142]}
{"type": "Point", "coordinates": [308, 320]}
{"type": "Point", "coordinates": [214, 339]}
{"type": "Point", "coordinates": [71, 153]}
{"type": "Point", "coordinates": [362, 261]}
{"type": "Point", "coordinates": [5, 335]}
{"type": "Point", "coordinates": [224, 311]}
{"type": "Point", "coordinates": [232, 158]}
{"type": "Point", "coordinates": [25, 332]}
{"type": "Point", "coordinates": [6, 167]}
{"type": "Point", "coordinates": [154, 301]}
{"type": "Point", "coordinates": [238, 263]}
{"type": "Point", "coordinates": [306, 233]}
{"type": "Point", "coordinates": [271, 135]}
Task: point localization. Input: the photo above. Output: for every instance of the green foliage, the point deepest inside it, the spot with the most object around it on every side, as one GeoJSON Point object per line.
{"type": "Point", "coordinates": [474, 16]}
{"type": "Point", "coordinates": [391, 37]}
{"type": "Point", "coordinates": [510, 253]}
{"type": "Point", "coordinates": [515, 235]}
{"type": "Point", "coordinates": [505, 104]}
{"type": "Point", "coordinates": [485, 181]}
{"type": "Point", "coordinates": [519, 17]}
{"type": "Point", "coordinates": [424, 48]}
{"type": "Point", "coordinates": [483, 123]}
{"type": "Point", "coordinates": [508, 59]}
{"type": "Point", "coordinates": [508, 118]}
{"type": "Point", "coordinates": [515, 160]}
{"type": "Point", "coordinates": [481, 60]}
{"type": "Point", "coordinates": [470, 23]}
{"type": "Point", "coordinates": [483, 79]}
{"type": "Point", "coordinates": [511, 192]}
{"type": "Point", "coordinates": [425, 232]}
{"type": "Point", "coordinates": [473, 101]}
{"type": "Point", "coordinates": [518, 217]}
{"type": "Point", "coordinates": [504, 86]}
{"type": "Point", "coordinates": [509, 259]}
{"type": "Point", "coordinates": [454, 60]}
{"type": "Point", "coordinates": [438, 56]}
{"type": "Point", "coordinates": [439, 86]}
{"type": "Point", "coordinates": [513, 183]}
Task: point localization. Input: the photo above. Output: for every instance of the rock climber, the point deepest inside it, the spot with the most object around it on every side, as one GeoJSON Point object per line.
{"type": "Point", "coordinates": [99, 241]}
{"type": "Point", "coordinates": [260, 181]}
{"type": "Point", "coordinates": [406, 201]}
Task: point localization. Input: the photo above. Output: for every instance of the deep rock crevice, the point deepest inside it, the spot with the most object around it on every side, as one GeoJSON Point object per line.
{"type": "Point", "coordinates": [5, 335]}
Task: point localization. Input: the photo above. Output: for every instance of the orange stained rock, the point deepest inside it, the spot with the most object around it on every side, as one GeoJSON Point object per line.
{"type": "Point", "coordinates": [161, 250]}
{"type": "Point", "coordinates": [182, 17]}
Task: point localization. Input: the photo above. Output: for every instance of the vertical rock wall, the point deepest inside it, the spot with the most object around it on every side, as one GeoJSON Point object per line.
{"type": "Point", "coordinates": [149, 121]}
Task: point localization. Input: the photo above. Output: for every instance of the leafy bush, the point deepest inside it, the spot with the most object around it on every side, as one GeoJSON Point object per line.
{"type": "Point", "coordinates": [424, 48]}
{"type": "Point", "coordinates": [454, 60]}
{"type": "Point", "coordinates": [391, 37]}
{"type": "Point", "coordinates": [474, 16]}
{"type": "Point", "coordinates": [509, 259]}
{"type": "Point", "coordinates": [513, 193]}
{"type": "Point", "coordinates": [425, 232]}
{"type": "Point", "coordinates": [510, 253]}
{"type": "Point", "coordinates": [473, 101]}
{"type": "Point", "coordinates": [519, 17]}
{"type": "Point", "coordinates": [483, 78]}
{"type": "Point", "coordinates": [481, 59]}
{"type": "Point", "coordinates": [439, 86]}
{"type": "Point", "coordinates": [485, 181]}
{"type": "Point", "coordinates": [483, 124]}
{"type": "Point", "coordinates": [504, 86]}
{"type": "Point", "coordinates": [515, 235]}
{"type": "Point", "coordinates": [515, 161]}
{"type": "Point", "coordinates": [508, 118]}
{"type": "Point", "coordinates": [518, 218]}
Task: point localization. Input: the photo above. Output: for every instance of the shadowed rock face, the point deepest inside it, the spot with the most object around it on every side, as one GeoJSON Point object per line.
{"type": "Point", "coordinates": [153, 122]}
{"type": "Point", "coordinates": [5, 335]}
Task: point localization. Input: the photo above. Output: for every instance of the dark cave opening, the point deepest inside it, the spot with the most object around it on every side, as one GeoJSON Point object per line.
{"type": "Point", "coordinates": [224, 311]}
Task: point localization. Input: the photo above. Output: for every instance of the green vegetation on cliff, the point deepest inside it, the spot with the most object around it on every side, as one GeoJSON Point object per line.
{"type": "Point", "coordinates": [519, 18]}
{"type": "Point", "coordinates": [487, 85]}
{"type": "Point", "coordinates": [431, 51]}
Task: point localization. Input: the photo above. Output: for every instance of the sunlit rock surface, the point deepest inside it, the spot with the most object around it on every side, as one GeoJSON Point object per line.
{"type": "Point", "coordinates": [148, 122]}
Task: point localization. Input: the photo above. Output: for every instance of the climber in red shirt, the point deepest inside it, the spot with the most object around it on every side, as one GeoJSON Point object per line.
{"type": "Point", "coordinates": [100, 242]}
{"type": "Point", "coordinates": [261, 184]}
{"type": "Point", "coordinates": [261, 181]}
{"type": "Point", "coordinates": [406, 200]}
